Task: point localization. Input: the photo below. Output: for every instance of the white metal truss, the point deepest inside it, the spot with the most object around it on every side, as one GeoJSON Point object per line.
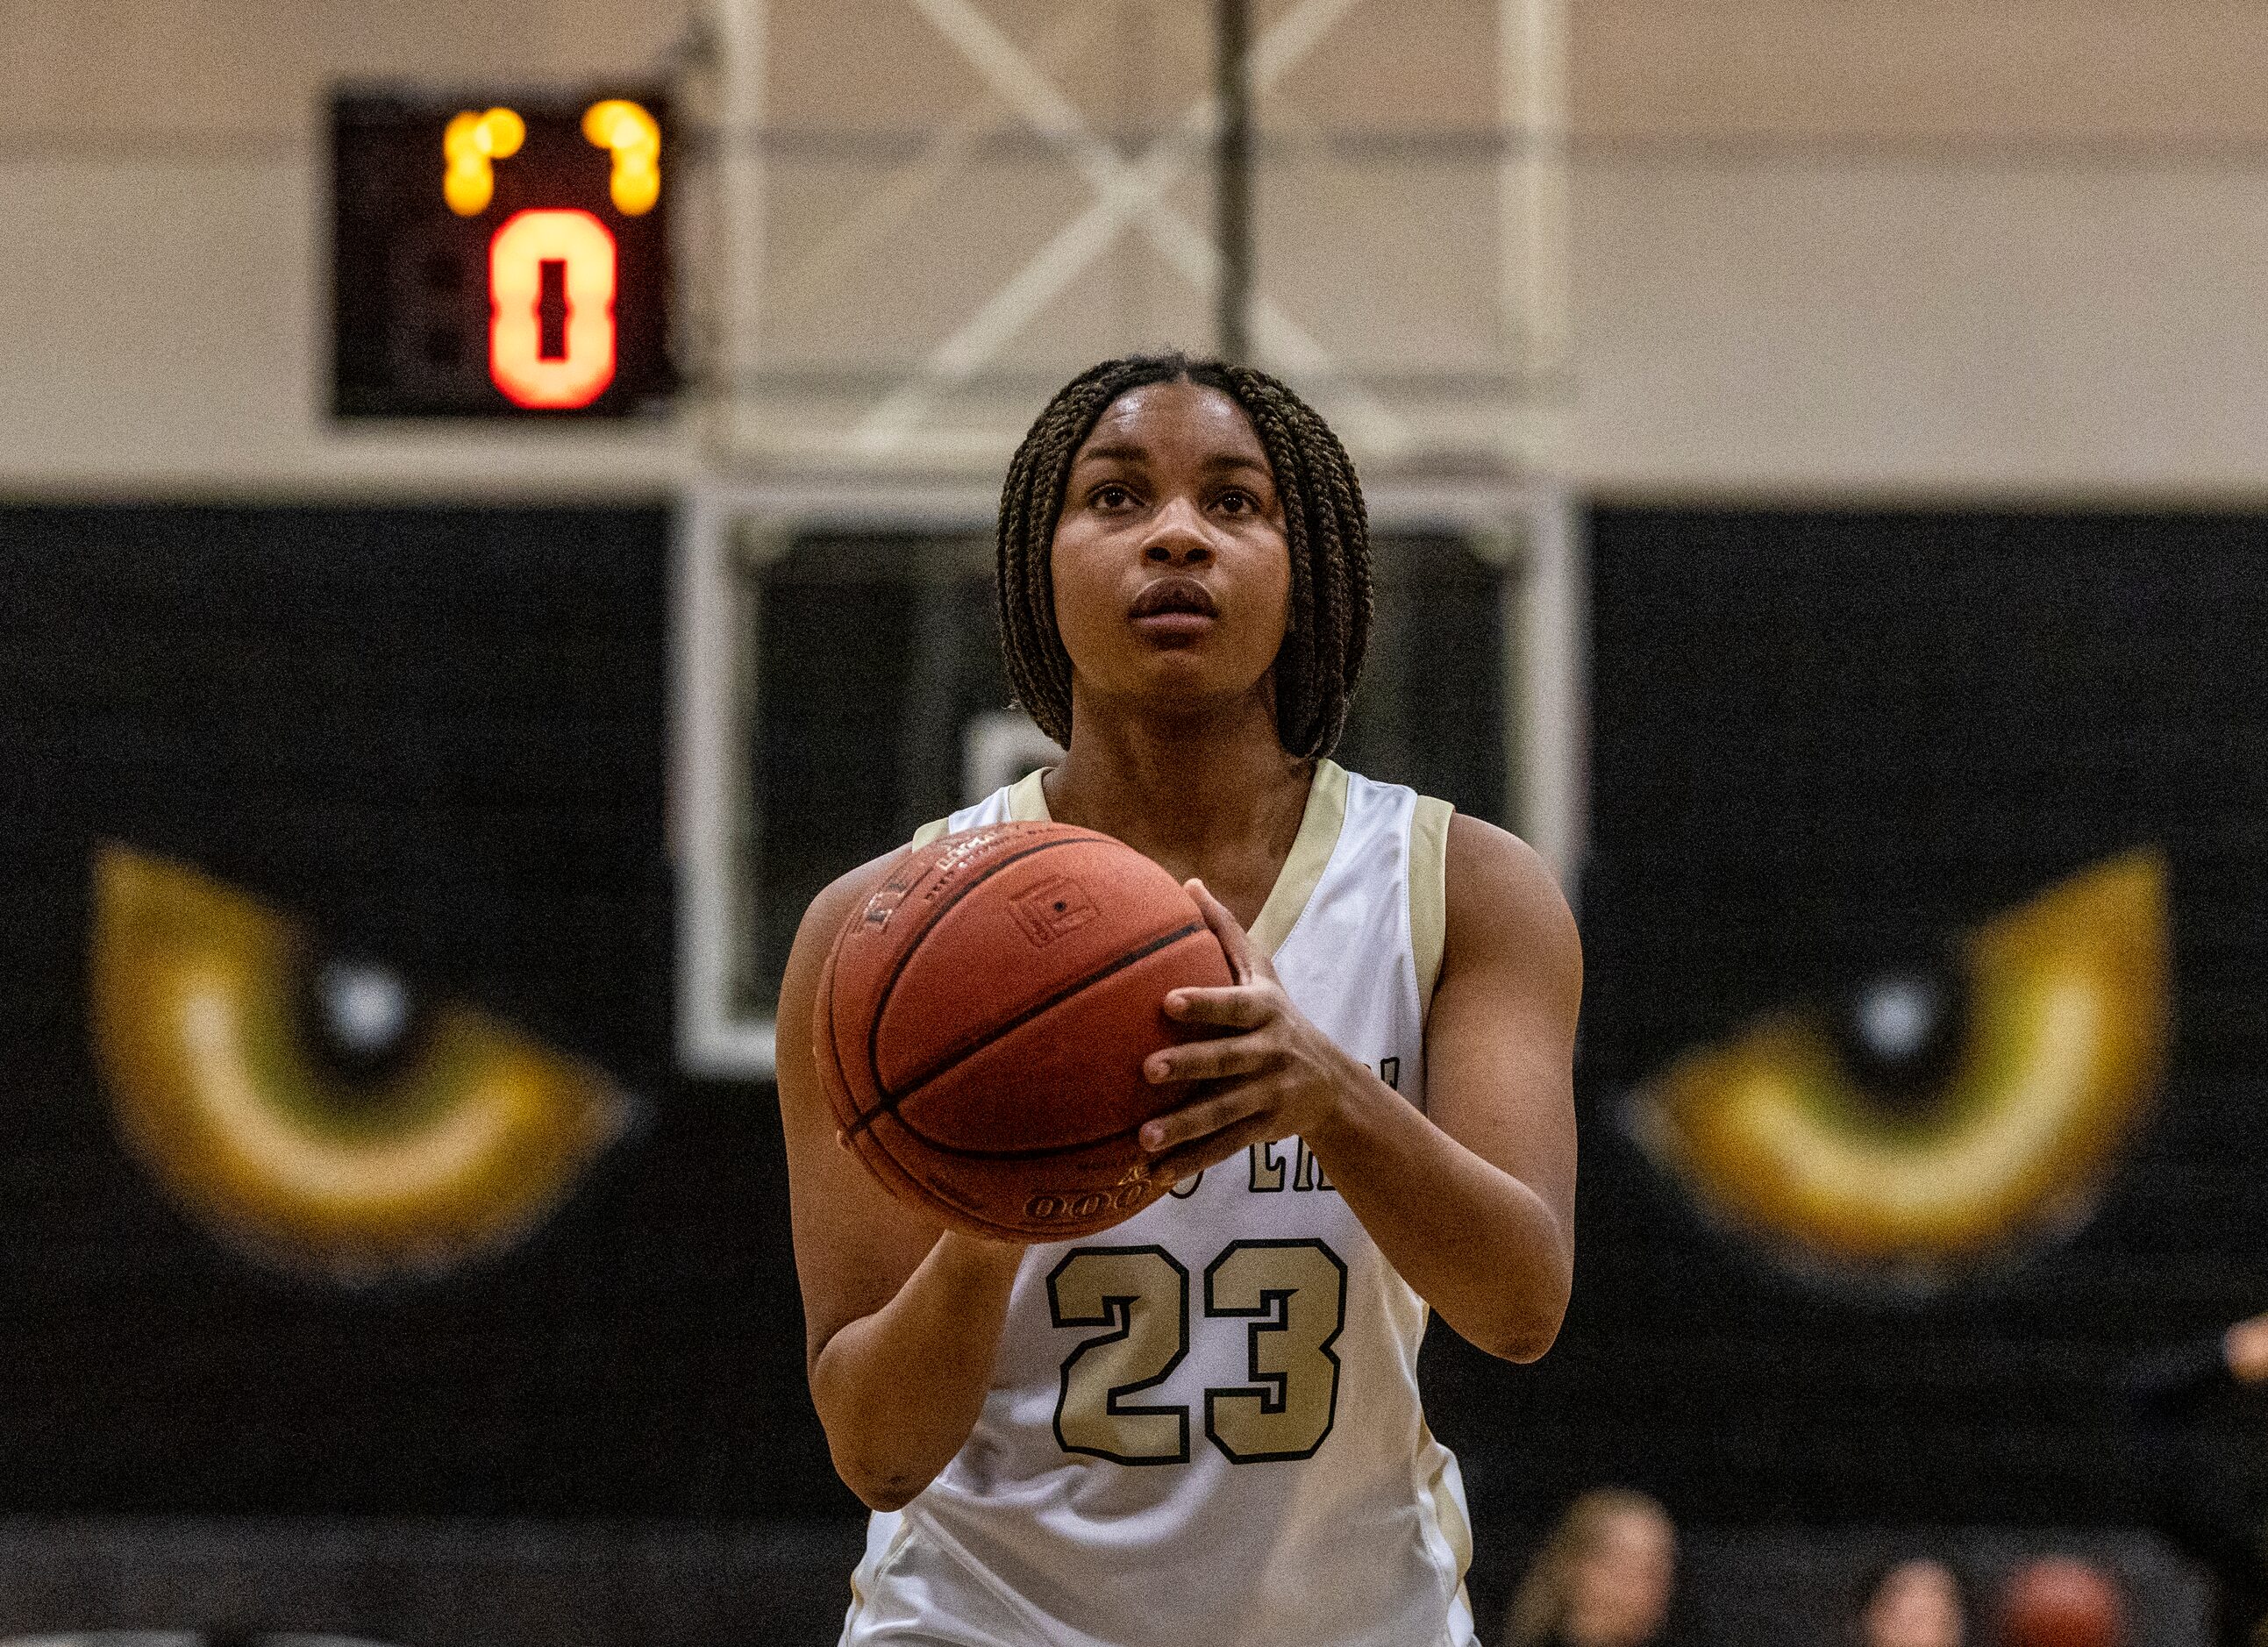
{"type": "Point", "coordinates": [902, 428]}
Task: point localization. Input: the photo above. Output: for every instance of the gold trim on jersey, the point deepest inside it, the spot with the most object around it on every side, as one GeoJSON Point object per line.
{"type": "Point", "coordinates": [1449, 1515]}
{"type": "Point", "coordinates": [1310, 856]}
{"type": "Point", "coordinates": [1429, 891]}
{"type": "Point", "coordinates": [1028, 803]}
{"type": "Point", "coordinates": [1028, 800]}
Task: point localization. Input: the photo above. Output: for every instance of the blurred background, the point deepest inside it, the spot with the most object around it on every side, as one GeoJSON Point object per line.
{"type": "Point", "coordinates": [1815, 457]}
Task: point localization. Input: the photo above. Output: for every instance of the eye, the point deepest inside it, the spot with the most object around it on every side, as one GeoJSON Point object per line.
{"type": "Point", "coordinates": [1110, 495]}
{"type": "Point", "coordinates": [1936, 1118]}
{"type": "Point", "coordinates": [317, 1110]}
{"type": "Point", "coordinates": [1237, 501]}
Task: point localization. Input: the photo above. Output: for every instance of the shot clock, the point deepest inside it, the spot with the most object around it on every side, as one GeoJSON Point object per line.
{"type": "Point", "coordinates": [499, 255]}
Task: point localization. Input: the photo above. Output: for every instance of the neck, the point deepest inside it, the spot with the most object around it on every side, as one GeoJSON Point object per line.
{"type": "Point", "coordinates": [1198, 794]}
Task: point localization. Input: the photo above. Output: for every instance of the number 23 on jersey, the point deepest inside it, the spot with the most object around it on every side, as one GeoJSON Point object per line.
{"type": "Point", "coordinates": [1291, 1296]}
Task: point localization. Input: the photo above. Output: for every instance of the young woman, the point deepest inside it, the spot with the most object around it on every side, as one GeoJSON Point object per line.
{"type": "Point", "coordinates": [1203, 1426]}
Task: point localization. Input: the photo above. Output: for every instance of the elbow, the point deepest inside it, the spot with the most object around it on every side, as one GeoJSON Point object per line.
{"type": "Point", "coordinates": [885, 1496]}
{"type": "Point", "coordinates": [1522, 1344]}
{"type": "Point", "coordinates": [886, 1468]}
{"type": "Point", "coordinates": [1526, 1332]}
{"type": "Point", "coordinates": [879, 1488]}
{"type": "Point", "coordinates": [1519, 1336]}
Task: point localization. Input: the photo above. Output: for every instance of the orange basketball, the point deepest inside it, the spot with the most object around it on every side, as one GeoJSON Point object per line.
{"type": "Point", "coordinates": [2061, 1601]}
{"type": "Point", "coordinates": [983, 1020]}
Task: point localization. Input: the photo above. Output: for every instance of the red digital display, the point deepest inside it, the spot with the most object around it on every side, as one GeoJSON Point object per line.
{"type": "Point", "coordinates": [499, 255]}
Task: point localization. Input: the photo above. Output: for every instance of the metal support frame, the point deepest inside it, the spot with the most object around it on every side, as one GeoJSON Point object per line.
{"type": "Point", "coordinates": [1532, 207]}
{"type": "Point", "coordinates": [1125, 194]}
{"type": "Point", "coordinates": [1233, 179]}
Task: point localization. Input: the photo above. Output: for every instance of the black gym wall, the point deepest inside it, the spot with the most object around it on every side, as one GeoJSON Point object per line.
{"type": "Point", "coordinates": [439, 736]}
{"type": "Point", "coordinates": [1824, 743]}
{"type": "Point", "coordinates": [436, 736]}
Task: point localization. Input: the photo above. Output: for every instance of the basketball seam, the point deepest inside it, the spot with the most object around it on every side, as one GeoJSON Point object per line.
{"type": "Point", "coordinates": [964, 1153]}
{"type": "Point", "coordinates": [841, 1084]}
{"type": "Point", "coordinates": [953, 1208]}
{"type": "Point", "coordinates": [948, 1206]}
{"type": "Point", "coordinates": [898, 970]}
{"type": "Point", "coordinates": [959, 1153]}
{"type": "Point", "coordinates": [866, 1137]}
{"type": "Point", "coordinates": [881, 1155]}
{"type": "Point", "coordinates": [1117, 964]}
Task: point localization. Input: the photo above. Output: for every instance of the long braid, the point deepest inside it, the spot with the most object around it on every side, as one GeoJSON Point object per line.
{"type": "Point", "coordinates": [1031, 501]}
{"type": "Point", "coordinates": [1326, 531]}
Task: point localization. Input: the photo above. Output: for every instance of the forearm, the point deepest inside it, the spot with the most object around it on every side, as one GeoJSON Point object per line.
{"type": "Point", "coordinates": [1476, 1244]}
{"type": "Point", "coordinates": [899, 1390]}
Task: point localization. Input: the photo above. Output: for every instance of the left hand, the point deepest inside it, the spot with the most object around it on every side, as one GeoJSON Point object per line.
{"type": "Point", "coordinates": [1280, 1076]}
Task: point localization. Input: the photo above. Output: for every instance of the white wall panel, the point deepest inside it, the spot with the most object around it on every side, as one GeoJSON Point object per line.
{"type": "Point", "coordinates": [1917, 248]}
{"type": "Point", "coordinates": [1877, 327]}
{"type": "Point", "coordinates": [166, 331]}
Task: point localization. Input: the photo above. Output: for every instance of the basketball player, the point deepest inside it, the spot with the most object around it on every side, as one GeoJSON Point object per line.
{"type": "Point", "coordinates": [1202, 1427]}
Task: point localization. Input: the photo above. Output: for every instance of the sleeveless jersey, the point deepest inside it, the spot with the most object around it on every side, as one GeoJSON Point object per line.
{"type": "Point", "coordinates": [1204, 1424]}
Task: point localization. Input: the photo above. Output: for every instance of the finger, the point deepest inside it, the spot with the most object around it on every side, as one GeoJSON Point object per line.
{"type": "Point", "coordinates": [1202, 1117]}
{"type": "Point", "coordinates": [1243, 963]}
{"type": "Point", "coordinates": [1238, 1006]}
{"type": "Point", "coordinates": [1211, 1060]}
{"type": "Point", "coordinates": [1191, 1159]}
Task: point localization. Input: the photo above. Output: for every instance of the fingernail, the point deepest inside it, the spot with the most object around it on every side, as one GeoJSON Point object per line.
{"type": "Point", "coordinates": [1157, 1069]}
{"type": "Point", "coordinates": [1153, 1136]}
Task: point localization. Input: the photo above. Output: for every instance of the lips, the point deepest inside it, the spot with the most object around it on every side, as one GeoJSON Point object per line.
{"type": "Point", "coordinates": [1168, 597]}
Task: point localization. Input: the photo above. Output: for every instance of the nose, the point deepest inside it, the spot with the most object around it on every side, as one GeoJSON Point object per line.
{"type": "Point", "coordinates": [1178, 536]}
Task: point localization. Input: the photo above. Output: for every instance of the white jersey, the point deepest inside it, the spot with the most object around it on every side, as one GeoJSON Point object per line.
{"type": "Point", "coordinates": [1203, 1425]}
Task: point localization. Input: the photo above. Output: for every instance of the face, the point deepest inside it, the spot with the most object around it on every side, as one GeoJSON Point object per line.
{"type": "Point", "coordinates": [1172, 572]}
{"type": "Point", "coordinates": [1618, 1587]}
{"type": "Point", "coordinates": [1916, 1605]}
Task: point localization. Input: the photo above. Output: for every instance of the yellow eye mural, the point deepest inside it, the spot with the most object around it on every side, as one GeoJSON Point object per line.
{"type": "Point", "coordinates": [1927, 1127]}
{"type": "Point", "coordinates": [314, 1111]}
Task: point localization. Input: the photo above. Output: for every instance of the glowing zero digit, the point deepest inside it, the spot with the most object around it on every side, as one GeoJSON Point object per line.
{"type": "Point", "coordinates": [579, 365]}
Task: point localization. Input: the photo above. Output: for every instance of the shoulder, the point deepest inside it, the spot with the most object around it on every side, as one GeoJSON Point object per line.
{"type": "Point", "coordinates": [794, 1068]}
{"type": "Point", "coordinates": [827, 913]}
{"type": "Point", "coordinates": [1504, 907]}
{"type": "Point", "coordinates": [814, 937]}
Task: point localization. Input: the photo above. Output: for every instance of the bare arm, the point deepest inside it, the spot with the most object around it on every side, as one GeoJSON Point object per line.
{"type": "Point", "coordinates": [901, 1317]}
{"type": "Point", "coordinates": [1472, 1199]}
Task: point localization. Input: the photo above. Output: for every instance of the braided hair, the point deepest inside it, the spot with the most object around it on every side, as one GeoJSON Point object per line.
{"type": "Point", "coordinates": [1325, 525]}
